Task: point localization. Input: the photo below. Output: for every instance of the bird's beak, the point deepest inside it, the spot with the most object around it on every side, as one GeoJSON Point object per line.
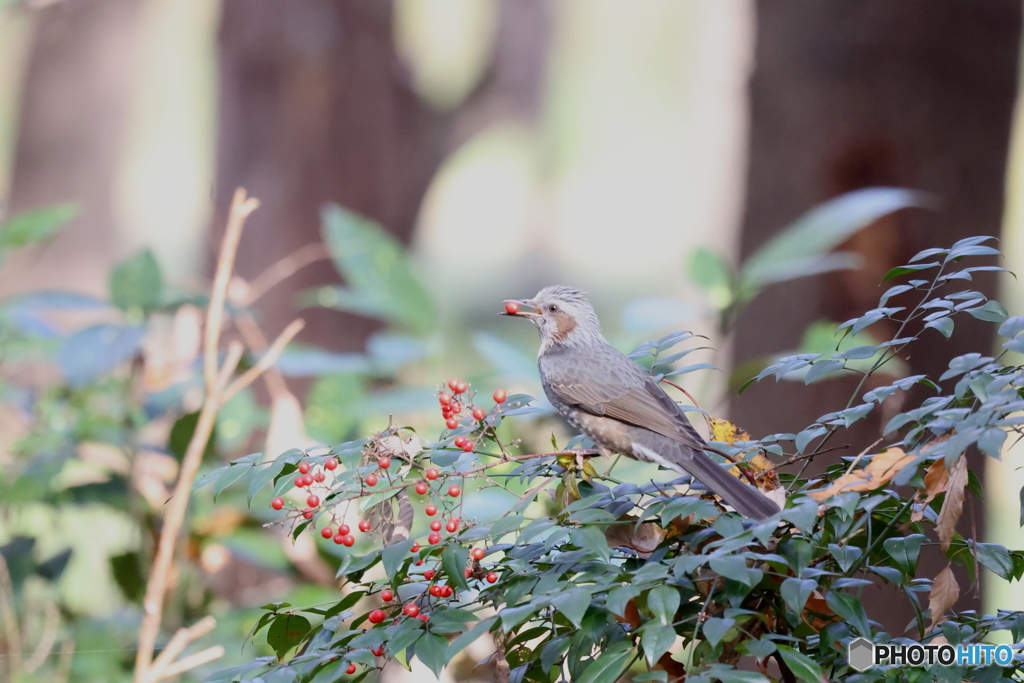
{"type": "Point", "coordinates": [527, 309]}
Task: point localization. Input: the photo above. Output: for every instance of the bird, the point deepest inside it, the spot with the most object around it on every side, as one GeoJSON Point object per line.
{"type": "Point", "coordinates": [615, 403]}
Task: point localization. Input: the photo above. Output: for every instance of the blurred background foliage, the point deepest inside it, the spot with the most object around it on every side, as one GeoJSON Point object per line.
{"type": "Point", "coordinates": [418, 161]}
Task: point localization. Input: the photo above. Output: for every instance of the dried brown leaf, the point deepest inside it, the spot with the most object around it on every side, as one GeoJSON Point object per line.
{"type": "Point", "coordinates": [944, 594]}
{"type": "Point", "coordinates": [644, 539]}
{"type": "Point", "coordinates": [727, 432]}
{"type": "Point", "coordinates": [953, 505]}
{"type": "Point", "coordinates": [817, 613]}
{"type": "Point", "coordinates": [936, 480]}
{"type": "Point", "coordinates": [877, 474]}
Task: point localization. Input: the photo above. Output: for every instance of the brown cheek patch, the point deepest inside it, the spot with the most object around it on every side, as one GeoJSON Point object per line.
{"type": "Point", "coordinates": [564, 327]}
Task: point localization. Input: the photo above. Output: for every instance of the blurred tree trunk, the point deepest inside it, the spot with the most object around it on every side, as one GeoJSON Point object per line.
{"type": "Point", "coordinates": [75, 99]}
{"type": "Point", "coordinates": [315, 107]}
{"type": "Point", "coordinates": [849, 94]}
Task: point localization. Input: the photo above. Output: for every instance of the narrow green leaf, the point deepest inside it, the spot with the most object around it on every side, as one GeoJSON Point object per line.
{"type": "Point", "coordinates": [995, 557]}
{"type": "Point", "coordinates": [454, 560]}
{"type": "Point", "coordinates": [608, 667]}
{"type": "Point", "coordinates": [802, 666]}
{"type": "Point", "coordinates": [228, 477]}
{"type": "Point", "coordinates": [463, 641]}
{"type": "Point", "coordinates": [34, 225]}
{"type": "Point", "coordinates": [393, 555]}
{"type": "Point", "coordinates": [795, 593]}
{"type": "Point", "coordinates": [904, 551]}
{"type": "Point", "coordinates": [432, 650]}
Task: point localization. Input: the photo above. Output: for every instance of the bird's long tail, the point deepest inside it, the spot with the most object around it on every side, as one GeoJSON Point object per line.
{"type": "Point", "coordinates": [747, 500]}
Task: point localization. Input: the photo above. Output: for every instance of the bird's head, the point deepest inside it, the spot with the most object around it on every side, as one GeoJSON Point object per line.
{"type": "Point", "coordinates": [563, 316]}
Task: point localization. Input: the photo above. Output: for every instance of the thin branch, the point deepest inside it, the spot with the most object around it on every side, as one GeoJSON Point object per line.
{"type": "Point", "coordinates": [286, 267]}
{"type": "Point", "coordinates": [264, 363]}
{"type": "Point", "coordinates": [192, 661]}
{"type": "Point", "coordinates": [257, 343]}
{"type": "Point", "coordinates": [241, 207]}
{"type": "Point", "coordinates": [156, 586]}
{"type": "Point", "coordinates": [164, 665]}
{"type": "Point", "coordinates": [12, 633]}
{"type": "Point", "coordinates": [707, 419]}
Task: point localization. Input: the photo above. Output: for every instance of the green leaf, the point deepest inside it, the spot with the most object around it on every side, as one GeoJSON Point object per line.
{"type": "Point", "coordinates": [795, 593]}
{"type": "Point", "coordinates": [906, 270]}
{"type": "Point", "coordinates": [34, 225]}
{"type": "Point", "coordinates": [513, 616]}
{"type": "Point", "coordinates": [803, 248]}
{"type": "Point", "coordinates": [663, 601]}
{"type": "Point", "coordinates": [904, 551]}
{"type": "Point", "coordinates": [715, 629]}
{"type": "Point", "coordinates": [656, 676]}
{"type": "Point", "coordinates": [735, 567]}
{"type": "Point", "coordinates": [454, 560]}
{"type": "Point", "coordinates": [757, 648]}
{"type": "Point", "coordinates": [377, 271]}
{"type": "Point", "coordinates": [394, 555]}
{"type": "Point", "coordinates": [848, 607]}
{"type": "Point", "coordinates": [656, 639]}
{"type": "Point", "coordinates": [463, 641]}
{"type": "Point", "coordinates": [432, 650]}
{"type": "Point", "coordinates": [136, 283]}
{"type": "Point", "coordinates": [992, 312]}
{"type": "Point", "coordinates": [263, 477]}
{"type": "Point", "coordinates": [228, 477]}
{"type": "Point", "coordinates": [802, 666]}
{"type": "Point", "coordinates": [286, 632]}
{"type": "Point", "coordinates": [995, 557]}
{"type": "Point", "coordinates": [727, 674]}
{"type": "Point", "coordinates": [620, 596]}
{"type": "Point", "coordinates": [573, 604]}
{"type": "Point", "coordinates": [608, 667]}
{"type": "Point", "coordinates": [181, 435]}
{"type": "Point", "coordinates": [712, 273]}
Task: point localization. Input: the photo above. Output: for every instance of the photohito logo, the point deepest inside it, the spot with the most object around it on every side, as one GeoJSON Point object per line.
{"type": "Point", "coordinates": [863, 654]}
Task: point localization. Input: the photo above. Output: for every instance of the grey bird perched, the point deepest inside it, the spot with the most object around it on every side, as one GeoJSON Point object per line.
{"type": "Point", "coordinates": [614, 402]}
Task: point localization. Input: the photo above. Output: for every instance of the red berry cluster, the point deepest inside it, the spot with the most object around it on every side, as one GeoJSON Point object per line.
{"type": "Point", "coordinates": [452, 409]}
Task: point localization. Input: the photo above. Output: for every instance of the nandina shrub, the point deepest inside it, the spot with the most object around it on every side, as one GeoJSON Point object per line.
{"type": "Point", "coordinates": [659, 580]}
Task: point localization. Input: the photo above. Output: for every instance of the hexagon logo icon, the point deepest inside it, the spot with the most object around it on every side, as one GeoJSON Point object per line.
{"type": "Point", "coordinates": [861, 654]}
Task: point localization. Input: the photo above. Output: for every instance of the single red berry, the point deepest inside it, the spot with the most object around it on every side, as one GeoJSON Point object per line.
{"type": "Point", "coordinates": [454, 491]}
{"type": "Point", "coordinates": [423, 617]}
{"type": "Point", "coordinates": [277, 503]}
{"type": "Point", "coordinates": [444, 398]}
{"type": "Point", "coordinates": [432, 473]}
{"type": "Point", "coordinates": [304, 467]}
{"type": "Point", "coordinates": [300, 481]}
{"type": "Point", "coordinates": [479, 413]}
{"type": "Point", "coordinates": [436, 591]}
{"type": "Point", "coordinates": [421, 488]}
{"type": "Point", "coordinates": [492, 577]}
{"type": "Point", "coordinates": [459, 440]}
{"type": "Point", "coordinates": [351, 669]}
{"type": "Point", "coordinates": [331, 464]}
{"type": "Point", "coordinates": [499, 395]}
{"type": "Point", "coordinates": [478, 553]}
{"type": "Point", "coordinates": [469, 572]}
{"type": "Point", "coordinates": [319, 477]}
{"type": "Point", "coordinates": [308, 514]}
{"type": "Point", "coordinates": [371, 479]}
{"type": "Point", "coordinates": [452, 526]}
{"type": "Point", "coordinates": [418, 563]}
{"type": "Point", "coordinates": [431, 509]}
{"type": "Point", "coordinates": [511, 307]}
{"type": "Point", "coordinates": [313, 501]}
{"type": "Point", "coordinates": [461, 387]}
{"type": "Point", "coordinates": [344, 530]}
{"type": "Point", "coordinates": [339, 538]}
{"type": "Point", "coordinates": [377, 616]}
{"type": "Point", "coordinates": [349, 540]}
{"type": "Point", "coordinates": [386, 595]}
{"type": "Point", "coordinates": [453, 385]}
{"type": "Point", "coordinates": [415, 547]}
{"type": "Point", "coordinates": [456, 407]}
{"type": "Point", "coordinates": [434, 538]}
{"type": "Point", "coordinates": [468, 445]}
{"type": "Point", "coordinates": [452, 423]}
{"type": "Point", "coordinates": [364, 525]}
{"type": "Point", "coordinates": [384, 462]}
{"type": "Point", "coordinates": [411, 610]}
{"type": "Point", "coordinates": [327, 532]}
{"type": "Point", "coordinates": [429, 574]}
{"type": "Point", "coordinates": [379, 652]}
{"type": "Point", "coordinates": [446, 592]}
{"type": "Point", "coordinates": [435, 525]}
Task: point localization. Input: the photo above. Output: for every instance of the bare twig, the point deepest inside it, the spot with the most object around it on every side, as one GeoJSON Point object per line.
{"type": "Point", "coordinates": [264, 363]}
{"type": "Point", "coordinates": [257, 343]}
{"type": "Point", "coordinates": [51, 623]}
{"type": "Point", "coordinates": [164, 665]}
{"type": "Point", "coordinates": [216, 383]}
{"type": "Point", "coordinates": [707, 419]}
{"type": "Point", "coordinates": [12, 633]}
{"type": "Point", "coordinates": [241, 207]}
{"type": "Point", "coordinates": [289, 265]}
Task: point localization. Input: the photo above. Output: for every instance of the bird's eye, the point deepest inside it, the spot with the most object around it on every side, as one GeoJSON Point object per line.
{"type": "Point", "coordinates": [553, 308]}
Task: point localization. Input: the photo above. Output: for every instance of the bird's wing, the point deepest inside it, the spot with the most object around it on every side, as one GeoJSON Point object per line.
{"type": "Point", "coordinates": [614, 386]}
